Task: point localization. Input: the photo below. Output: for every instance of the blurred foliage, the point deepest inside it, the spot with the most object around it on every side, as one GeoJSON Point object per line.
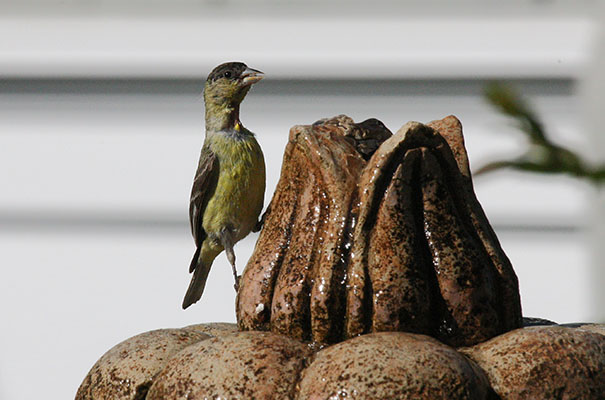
{"type": "Point", "coordinates": [542, 154]}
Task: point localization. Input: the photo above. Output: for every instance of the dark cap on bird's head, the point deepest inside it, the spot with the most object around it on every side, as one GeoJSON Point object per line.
{"type": "Point", "coordinates": [228, 84]}
{"type": "Point", "coordinates": [235, 72]}
{"type": "Point", "coordinates": [226, 87]}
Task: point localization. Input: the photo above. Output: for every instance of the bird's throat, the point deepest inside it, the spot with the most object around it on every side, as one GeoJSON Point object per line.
{"type": "Point", "coordinates": [220, 117]}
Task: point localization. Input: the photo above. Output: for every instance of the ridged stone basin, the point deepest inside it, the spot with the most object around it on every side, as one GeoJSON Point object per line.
{"type": "Point", "coordinates": [376, 276]}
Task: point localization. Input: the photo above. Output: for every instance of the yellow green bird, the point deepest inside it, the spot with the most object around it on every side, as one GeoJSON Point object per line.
{"type": "Point", "coordinates": [229, 187]}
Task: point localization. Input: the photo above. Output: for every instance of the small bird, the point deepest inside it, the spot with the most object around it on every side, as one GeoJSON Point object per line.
{"type": "Point", "coordinates": [229, 186]}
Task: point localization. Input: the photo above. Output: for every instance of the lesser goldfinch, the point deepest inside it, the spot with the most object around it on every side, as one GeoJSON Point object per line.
{"type": "Point", "coordinates": [229, 187]}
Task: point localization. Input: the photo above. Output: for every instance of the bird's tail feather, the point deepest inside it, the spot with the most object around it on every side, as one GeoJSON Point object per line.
{"type": "Point", "coordinates": [200, 268]}
{"type": "Point", "coordinates": [194, 260]}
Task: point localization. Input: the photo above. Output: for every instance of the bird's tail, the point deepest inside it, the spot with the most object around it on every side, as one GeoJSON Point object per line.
{"type": "Point", "coordinates": [200, 267]}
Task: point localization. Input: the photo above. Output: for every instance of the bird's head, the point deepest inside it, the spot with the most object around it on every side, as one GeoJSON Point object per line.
{"type": "Point", "coordinates": [228, 84]}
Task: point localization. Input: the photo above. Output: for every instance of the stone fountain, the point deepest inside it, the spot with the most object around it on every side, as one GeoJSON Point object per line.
{"type": "Point", "coordinates": [397, 243]}
{"type": "Point", "coordinates": [376, 275]}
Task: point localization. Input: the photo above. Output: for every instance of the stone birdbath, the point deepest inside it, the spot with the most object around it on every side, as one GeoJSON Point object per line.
{"type": "Point", "coordinates": [376, 276]}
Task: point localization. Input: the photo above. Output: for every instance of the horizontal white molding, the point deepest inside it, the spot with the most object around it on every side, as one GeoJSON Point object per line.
{"type": "Point", "coordinates": [294, 47]}
{"type": "Point", "coordinates": [91, 150]}
{"type": "Point", "coordinates": [316, 8]}
{"type": "Point", "coordinates": [95, 222]}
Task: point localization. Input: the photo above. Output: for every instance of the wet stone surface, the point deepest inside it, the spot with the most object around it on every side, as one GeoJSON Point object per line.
{"type": "Point", "coordinates": [294, 282]}
{"type": "Point", "coordinates": [368, 136]}
{"type": "Point", "coordinates": [374, 245]}
{"type": "Point", "coordinates": [544, 362]}
{"type": "Point", "coordinates": [533, 321]}
{"type": "Point", "coordinates": [244, 365]}
{"type": "Point", "coordinates": [127, 370]}
{"type": "Point", "coordinates": [596, 328]}
{"type": "Point", "coordinates": [392, 365]}
{"type": "Point", "coordinates": [540, 362]}
{"type": "Point", "coordinates": [371, 232]}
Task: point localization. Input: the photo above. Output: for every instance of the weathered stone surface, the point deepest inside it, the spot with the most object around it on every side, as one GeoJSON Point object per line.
{"type": "Point", "coordinates": [294, 282]}
{"type": "Point", "coordinates": [597, 328]}
{"type": "Point", "coordinates": [127, 370]}
{"type": "Point", "coordinates": [392, 365]}
{"type": "Point", "coordinates": [214, 328]}
{"type": "Point", "coordinates": [450, 129]}
{"type": "Point", "coordinates": [397, 243]}
{"type": "Point", "coordinates": [368, 136]}
{"type": "Point", "coordinates": [533, 321]}
{"type": "Point", "coordinates": [544, 362]}
{"type": "Point", "coordinates": [368, 234]}
{"type": "Point", "coordinates": [243, 365]}
{"type": "Point", "coordinates": [464, 273]}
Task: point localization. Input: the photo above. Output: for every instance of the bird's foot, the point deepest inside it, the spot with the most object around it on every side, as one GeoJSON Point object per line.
{"type": "Point", "coordinates": [259, 224]}
{"type": "Point", "coordinates": [236, 284]}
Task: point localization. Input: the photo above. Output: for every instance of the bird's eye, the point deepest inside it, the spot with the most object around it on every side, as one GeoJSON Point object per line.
{"type": "Point", "coordinates": [227, 74]}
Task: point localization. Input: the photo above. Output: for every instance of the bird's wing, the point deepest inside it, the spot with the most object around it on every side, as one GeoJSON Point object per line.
{"type": "Point", "coordinates": [203, 187]}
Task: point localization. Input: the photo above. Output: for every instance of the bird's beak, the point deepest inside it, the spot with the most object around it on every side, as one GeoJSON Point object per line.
{"type": "Point", "coordinates": [251, 76]}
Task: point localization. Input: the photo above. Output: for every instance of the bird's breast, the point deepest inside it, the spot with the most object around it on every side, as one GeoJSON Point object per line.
{"type": "Point", "coordinates": [239, 195]}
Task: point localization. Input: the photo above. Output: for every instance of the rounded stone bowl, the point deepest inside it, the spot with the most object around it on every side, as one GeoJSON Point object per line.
{"type": "Point", "coordinates": [212, 361]}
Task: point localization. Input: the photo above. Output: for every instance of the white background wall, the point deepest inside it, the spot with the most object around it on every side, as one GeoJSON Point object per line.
{"type": "Point", "coordinates": [101, 122]}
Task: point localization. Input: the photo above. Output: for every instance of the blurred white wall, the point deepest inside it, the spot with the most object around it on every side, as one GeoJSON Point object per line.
{"type": "Point", "coordinates": [593, 120]}
{"type": "Point", "coordinates": [101, 122]}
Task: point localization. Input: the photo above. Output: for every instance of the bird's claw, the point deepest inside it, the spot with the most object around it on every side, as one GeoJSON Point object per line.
{"type": "Point", "coordinates": [236, 284]}
{"type": "Point", "coordinates": [261, 222]}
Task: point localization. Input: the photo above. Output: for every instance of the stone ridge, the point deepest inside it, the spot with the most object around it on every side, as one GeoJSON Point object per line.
{"type": "Point", "coordinates": [389, 240]}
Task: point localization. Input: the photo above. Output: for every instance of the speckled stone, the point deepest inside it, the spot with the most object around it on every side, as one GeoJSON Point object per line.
{"type": "Point", "coordinates": [597, 328]}
{"type": "Point", "coordinates": [359, 239]}
{"type": "Point", "coordinates": [533, 321]}
{"type": "Point", "coordinates": [127, 370]}
{"type": "Point", "coordinates": [214, 328]}
{"type": "Point", "coordinates": [293, 282]}
{"type": "Point", "coordinates": [544, 362]}
{"type": "Point", "coordinates": [392, 365]}
{"type": "Point", "coordinates": [450, 128]}
{"type": "Point", "coordinates": [243, 365]}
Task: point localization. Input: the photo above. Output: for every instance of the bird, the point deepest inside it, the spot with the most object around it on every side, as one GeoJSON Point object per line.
{"type": "Point", "coordinates": [229, 186]}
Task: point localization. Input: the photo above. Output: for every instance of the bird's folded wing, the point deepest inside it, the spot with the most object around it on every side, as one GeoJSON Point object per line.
{"type": "Point", "coordinates": [204, 185]}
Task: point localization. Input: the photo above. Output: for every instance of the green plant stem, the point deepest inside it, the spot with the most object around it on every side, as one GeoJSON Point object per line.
{"type": "Point", "coordinates": [543, 155]}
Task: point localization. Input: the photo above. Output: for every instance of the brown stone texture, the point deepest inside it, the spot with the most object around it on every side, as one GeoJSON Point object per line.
{"type": "Point", "coordinates": [392, 365]}
{"type": "Point", "coordinates": [544, 362]}
{"type": "Point", "coordinates": [363, 238]}
{"type": "Point", "coordinates": [214, 328]}
{"type": "Point", "coordinates": [127, 370]}
{"type": "Point", "coordinates": [450, 129]}
{"type": "Point", "coordinates": [244, 365]}
{"type": "Point", "coordinates": [367, 135]}
{"type": "Point", "coordinates": [375, 242]}
{"type": "Point", "coordinates": [597, 328]}
{"type": "Point", "coordinates": [294, 282]}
